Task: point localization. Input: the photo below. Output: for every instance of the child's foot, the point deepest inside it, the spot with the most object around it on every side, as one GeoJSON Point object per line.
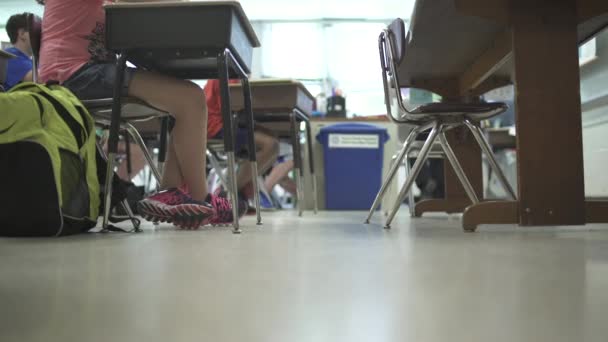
{"type": "Point", "coordinates": [223, 207]}
{"type": "Point", "coordinates": [174, 206]}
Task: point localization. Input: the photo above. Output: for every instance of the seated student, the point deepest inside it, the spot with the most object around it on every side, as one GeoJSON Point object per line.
{"type": "Point", "coordinates": [279, 175]}
{"type": "Point", "coordinates": [18, 69]}
{"type": "Point", "coordinates": [73, 53]}
{"type": "Point", "coordinates": [267, 145]}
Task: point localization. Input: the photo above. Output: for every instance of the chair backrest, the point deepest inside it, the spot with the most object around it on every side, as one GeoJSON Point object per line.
{"type": "Point", "coordinates": [392, 45]}
{"type": "Point", "coordinates": [398, 36]}
{"type": "Point", "coordinates": [34, 28]}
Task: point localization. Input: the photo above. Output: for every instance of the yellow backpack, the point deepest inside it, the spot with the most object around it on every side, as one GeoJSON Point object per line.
{"type": "Point", "coordinates": [48, 171]}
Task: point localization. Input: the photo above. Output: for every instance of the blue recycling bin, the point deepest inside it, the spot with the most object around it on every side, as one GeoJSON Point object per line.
{"type": "Point", "coordinates": [353, 154]}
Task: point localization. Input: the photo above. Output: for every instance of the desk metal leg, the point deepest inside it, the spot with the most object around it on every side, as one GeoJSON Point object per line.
{"type": "Point", "coordinates": [252, 148]}
{"type": "Point", "coordinates": [128, 153]}
{"type": "Point", "coordinates": [311, 164]}
{"type": "Point", "coordinates": [162, 150]}
{"type": "Point", "coordinates": [229, 136]}
{"type": "Point", "coordinates": [121, 64]}
{"type": "Point", "coordinates": [297, 158]}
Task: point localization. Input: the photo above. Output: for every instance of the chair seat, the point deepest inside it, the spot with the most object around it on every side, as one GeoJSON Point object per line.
{"type": "Point", "coordinates": [132, 109]}
{"type": "Point", "coordinates": [475, 111]}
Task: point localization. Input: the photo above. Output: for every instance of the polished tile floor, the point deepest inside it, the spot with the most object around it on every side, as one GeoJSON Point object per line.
{"type": "Point", "coordinates": [324, 278]}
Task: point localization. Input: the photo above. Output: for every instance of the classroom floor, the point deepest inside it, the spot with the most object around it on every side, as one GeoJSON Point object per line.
{"type": "Point", "coordinates": [324, 278]}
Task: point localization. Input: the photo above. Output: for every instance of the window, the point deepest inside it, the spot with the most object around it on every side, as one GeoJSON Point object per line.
{"type": "Point", "coordinates": [587, 52]}
{"type": "Point", "coordinates": [324, 55]}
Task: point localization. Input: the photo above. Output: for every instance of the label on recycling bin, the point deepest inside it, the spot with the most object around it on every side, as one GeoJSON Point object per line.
{"type": "Point", "coordinates": [370, 141]}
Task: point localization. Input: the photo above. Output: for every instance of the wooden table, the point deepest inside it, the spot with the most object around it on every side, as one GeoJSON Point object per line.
{"type": "Point", "coordinates": [280, 105]}
{"type": "Point", "coordinates": [462, 48]}
{"type": "Point", "coordinates": [190, 40]}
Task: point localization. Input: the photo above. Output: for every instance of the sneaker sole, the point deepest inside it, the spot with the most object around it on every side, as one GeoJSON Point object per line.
{"type": "Point", "coordinates": [190, 216]}
{"type": "Point", "coordinates": [184, 216]}
{"type": "Point", "coordinates": [153, 212]}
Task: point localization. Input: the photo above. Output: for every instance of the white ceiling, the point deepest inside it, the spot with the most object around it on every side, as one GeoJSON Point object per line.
{"type": "Point", "coordinates": [276, 9]}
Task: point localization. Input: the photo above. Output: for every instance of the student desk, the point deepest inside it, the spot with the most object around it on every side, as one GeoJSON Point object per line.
{"type": "Point", "coordinates": [189, 40]}
{"type": "Point", "coordinates": [280, 105]}
{"type": "Point", "coordinates": [462, 48]}
{"type": "Point", "coordinates": [4, 57]}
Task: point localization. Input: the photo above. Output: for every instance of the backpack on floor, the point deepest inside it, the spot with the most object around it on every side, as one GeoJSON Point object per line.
{"type": "Point", "coordinates": [48, 174]}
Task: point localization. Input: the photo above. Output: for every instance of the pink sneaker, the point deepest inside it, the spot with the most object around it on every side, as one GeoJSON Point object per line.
{"type": "Point", "coordinates": [223, 208]}
{"type": "Point", "coordinates": [174, 206]}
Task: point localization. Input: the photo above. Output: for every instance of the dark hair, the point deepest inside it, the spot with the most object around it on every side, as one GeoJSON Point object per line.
{"type": "Point", "coordinates": [14, 24]}
{"type": "Point", "coordinates": [40, 2]}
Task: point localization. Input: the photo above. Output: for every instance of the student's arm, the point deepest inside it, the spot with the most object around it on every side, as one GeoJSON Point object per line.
{"type": "Point", "coordinates": [18, 70]}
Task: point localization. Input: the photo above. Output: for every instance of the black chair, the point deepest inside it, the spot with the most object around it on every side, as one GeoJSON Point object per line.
{"type": "Point", "coordinates": [134, 110]}
{"type": "Point", "coordinates": [438, 117]}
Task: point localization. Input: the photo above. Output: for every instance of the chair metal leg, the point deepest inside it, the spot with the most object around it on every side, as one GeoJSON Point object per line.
{"type": "Point", "coordinates": [215, 164]}
{"type": "Point", "coordinates": [392, 163]}
{"type": "Point", "coordinates": [134, 220]}
{"type": "Point", "coordinates": [411, 198]}
{"type": "Point", "coordinates": [485, 147]}
{"type": "Point", "coordinates": [315, 193]}
{"type": "Point", "coordinates": [142, 145]}
{"type": "Point", "coordinates": [233, 193]}
{"type": "Point", "coordinates": [256, 192]}
{"type": "Point", "coordinates": [108, 190]}
{"type": "Point", "coordinates": [396, 162]}
{"type": "Point", "coordinates": [424, 152]}
{"type": "Point", "coordinates": [449, 153]}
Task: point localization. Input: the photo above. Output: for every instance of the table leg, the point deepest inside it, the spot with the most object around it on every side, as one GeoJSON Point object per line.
{"type": "Point", "coordinates": [229, 136]}
{"type": "Point", "coordinates": [312, 166]}
{"type": "Point", "coordinates": [164, 140]}
{"type": "Point", "coordinates": [547, 90]}
{"type": "Point", "coordinates": [121, 64]}
{"type": "Point", "coordinates": [252, 148]}
{"type": "Point", "coordinates": [596, 211]}
{"type": "Point", "coordinates": [297, 159]}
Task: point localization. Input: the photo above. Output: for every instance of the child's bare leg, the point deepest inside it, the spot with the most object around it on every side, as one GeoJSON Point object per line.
{"type": "Point", "coordinates": [186, 102]}
{"type": "Point", "coordinates": [277, 174]}
{"type": "Point", "coordinates": [289, 185]}
{"type": "Point", "coordinates": [267, 152]}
